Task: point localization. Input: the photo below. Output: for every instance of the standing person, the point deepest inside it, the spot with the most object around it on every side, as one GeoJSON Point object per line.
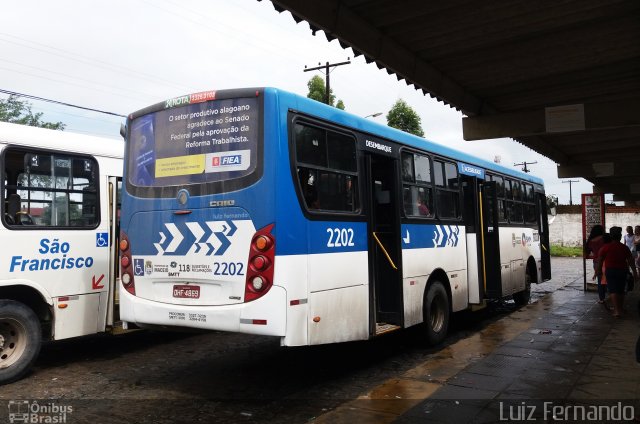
{"type": "Point", "coordinates": [636, 243]}
{"type": "Point", "coordinates": [593, 245]}
{"type": "Point", "coordinates": [617, 259]}
{"type": "Point", "coordinates": [628, 238]}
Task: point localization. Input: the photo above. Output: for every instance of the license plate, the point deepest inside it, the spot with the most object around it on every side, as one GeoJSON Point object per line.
{"type": "Point", "coordinates": [186, 292]}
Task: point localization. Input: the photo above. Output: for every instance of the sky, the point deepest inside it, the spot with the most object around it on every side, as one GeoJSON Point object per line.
{"type": "Point", "coordinates": [121, 56]}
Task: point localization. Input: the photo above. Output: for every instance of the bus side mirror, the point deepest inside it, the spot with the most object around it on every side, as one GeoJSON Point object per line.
{"type": "Point", "coordinates": [552, 202]}
{"type": "Point", "coordinates": [123, 130]}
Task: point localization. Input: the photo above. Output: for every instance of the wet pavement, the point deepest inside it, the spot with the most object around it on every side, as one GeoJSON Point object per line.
{"type": "Point", "coordinates": [563, 358]}
{"type": "Point", "coordinates": [561, 348]}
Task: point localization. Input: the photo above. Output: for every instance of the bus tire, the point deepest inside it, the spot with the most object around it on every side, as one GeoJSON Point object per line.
{"type": "Point", "coordinates": [523, 297]}
{"type": "Point", "coordinates": [20, 340]}
{"type": "Point", "coordinates": [436, 313]}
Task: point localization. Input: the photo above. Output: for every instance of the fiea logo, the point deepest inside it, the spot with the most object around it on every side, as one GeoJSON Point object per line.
{"type": "Point", "coordinates": [227, 160]}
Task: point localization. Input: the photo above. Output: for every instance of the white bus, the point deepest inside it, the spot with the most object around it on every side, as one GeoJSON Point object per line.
{"type": "Point", "coordinates": [260, 211]}
{"type": "Point", "coordinates": [58, 256]}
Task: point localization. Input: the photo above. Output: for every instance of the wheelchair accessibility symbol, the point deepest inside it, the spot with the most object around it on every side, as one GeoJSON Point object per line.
{"type": "Point", "coordinates": [102, 239]}
{"type": "Point", "coordinates": [138, 267]}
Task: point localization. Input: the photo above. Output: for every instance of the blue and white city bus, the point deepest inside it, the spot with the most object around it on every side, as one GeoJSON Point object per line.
{"type": "Point", "coordinates": [264, 212]}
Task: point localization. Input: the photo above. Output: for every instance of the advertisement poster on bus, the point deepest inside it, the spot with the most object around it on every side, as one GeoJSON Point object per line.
{"type": "Point", "coordinates": [195, 143]}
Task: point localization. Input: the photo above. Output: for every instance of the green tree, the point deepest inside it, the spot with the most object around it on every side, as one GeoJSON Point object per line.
{"type": "Point", "coordinates": [403, 117]}
{"type": "Point", "coordinates": [317, 92]}
{"type": "Point", "coordinates": [19, 112]}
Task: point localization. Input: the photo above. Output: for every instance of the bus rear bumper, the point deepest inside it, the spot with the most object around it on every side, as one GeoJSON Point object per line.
{"type": "Point", "coordinates": [266, 315]}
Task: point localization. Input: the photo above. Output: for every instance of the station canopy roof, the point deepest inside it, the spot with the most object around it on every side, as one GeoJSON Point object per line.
{"type": "Point", "coordinates": [561, 77]}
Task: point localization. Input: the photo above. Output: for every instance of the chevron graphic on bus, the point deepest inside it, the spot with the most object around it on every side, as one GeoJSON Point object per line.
{"type": "Point", "coordinates": [207, 238]}
{"type": "Point", "coordinates": [430, 236]}
{"type": "Point", "coordinates": [238, 160]}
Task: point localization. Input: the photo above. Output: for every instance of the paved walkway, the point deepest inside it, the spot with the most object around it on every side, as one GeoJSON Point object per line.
{"type": "Point", "coordinates": [563, 356]}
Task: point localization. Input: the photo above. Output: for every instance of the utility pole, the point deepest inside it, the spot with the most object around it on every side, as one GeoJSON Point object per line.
{"type": "Point", "coordinates": [524, 165]}
{"type": "Point", "coordinates": [327, 70]}
{"type": "Point", "coordinates": [570, 194]}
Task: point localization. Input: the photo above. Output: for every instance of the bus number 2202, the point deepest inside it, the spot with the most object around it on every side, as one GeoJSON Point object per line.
{"type": "Point", "coordinates": [228, 268]}
{"type": "Point", "coordinates": [340, 237]}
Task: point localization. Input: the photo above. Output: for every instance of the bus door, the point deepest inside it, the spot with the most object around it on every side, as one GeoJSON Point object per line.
{"type": "Point", "coordinates": [385, 268]}
{"type": "Point", "coordinates": [543, 230]}
{"type": "Point", "coordinates": [471, 217]}
{"type": "Point", "coordinates": [489, 242]}
{"type": "Point", "coordinates": [114, 187]}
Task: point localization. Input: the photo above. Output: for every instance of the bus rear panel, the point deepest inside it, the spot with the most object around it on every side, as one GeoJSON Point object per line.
{"type": "Point", "coordinates": [199, 243]}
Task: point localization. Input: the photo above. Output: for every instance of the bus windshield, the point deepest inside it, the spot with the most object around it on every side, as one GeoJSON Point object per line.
{"type": "Point", "coordinates": [196, 143]}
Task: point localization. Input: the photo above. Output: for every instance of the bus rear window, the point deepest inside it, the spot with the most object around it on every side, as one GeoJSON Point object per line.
{"type": "Point", "coordinates": [208, 142]}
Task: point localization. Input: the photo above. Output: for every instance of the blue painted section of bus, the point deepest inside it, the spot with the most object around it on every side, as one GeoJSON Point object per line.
{"type": "Point", "coordinates": [327, 237]}
{"type": "Point", "coordinates": [273, 199]}
{"type": "Point", "coordinates": [332, 114]}
{"type": "Point", "coordinates": [429, 236]}
{"type": "Point", "coordinates": [153, 237]}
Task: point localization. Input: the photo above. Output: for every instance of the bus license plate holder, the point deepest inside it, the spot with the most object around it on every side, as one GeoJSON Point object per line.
{"type": "Point", "coordinates": [186, 291]}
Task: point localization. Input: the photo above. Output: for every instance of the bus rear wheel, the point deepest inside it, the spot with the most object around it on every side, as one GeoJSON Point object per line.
{"type": "Point", "coordinates": [522, 298]}
{"type": "Point", "coordinates": [20, 340]}
{"type": "Point", "coordinates": [436, 313]}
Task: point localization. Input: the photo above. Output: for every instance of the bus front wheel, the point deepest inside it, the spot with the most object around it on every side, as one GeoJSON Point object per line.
{"type": "Point", "coordinates": [20, 340]}
{"type": "Point", "coordinates": [436, 313]}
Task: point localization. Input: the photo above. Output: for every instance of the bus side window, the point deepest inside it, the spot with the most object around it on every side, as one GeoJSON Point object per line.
{"type": "Point", "coordinates": [309, 190]}
{"type": "Point", "coordinates": [327, 169]}
{"type": "Point", "coordinates": [417, 186]}
{"type": "Point", "coordinates": [447, 189]}
{"type": "Point", "coordinates": [50, 189]}
{"type": "Point", "coordinates": [89, 205]}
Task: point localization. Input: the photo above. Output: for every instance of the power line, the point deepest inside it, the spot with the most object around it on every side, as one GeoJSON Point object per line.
{"type": "Point", "coordinates": [93, 83]}
{"type": "Point", "coordinates": [44, 109]}
{"type": "Point", "coordinates": [87, 60]}
{"type": "Point", "coordinates": [91, 87]}
{"type": "Point", "coordinates": [29, 96]}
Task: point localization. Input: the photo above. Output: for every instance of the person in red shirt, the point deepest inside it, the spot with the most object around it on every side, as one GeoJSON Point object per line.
{"type": "Point", "coordinates": [597, 239]}
{"type": "Point", "coordinates": [617, 260]}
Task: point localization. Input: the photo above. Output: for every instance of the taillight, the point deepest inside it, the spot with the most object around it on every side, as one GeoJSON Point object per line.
{"type": "Point", "coordinates": [261, 262]}
{"type": "Point", "coordinates": [126, 268]}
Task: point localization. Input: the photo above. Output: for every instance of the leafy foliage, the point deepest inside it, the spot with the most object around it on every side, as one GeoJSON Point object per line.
{"type": "Point", "coordinates": [403, 117]}
{"type": "Point", "coordinates": [317, 92]}
{"type": "Point", "coordinates": [19, 112]}
{"type": "Point", "coordinates": [566, 251]}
